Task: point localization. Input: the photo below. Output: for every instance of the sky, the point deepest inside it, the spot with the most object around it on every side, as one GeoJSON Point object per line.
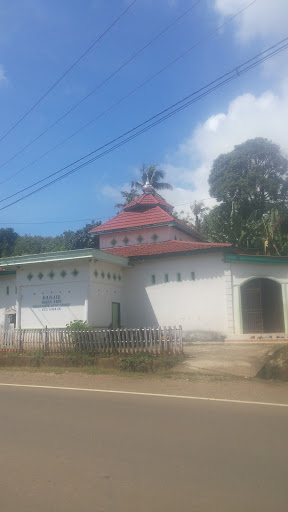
{"type": "Point", "coordinates": [40, 40]}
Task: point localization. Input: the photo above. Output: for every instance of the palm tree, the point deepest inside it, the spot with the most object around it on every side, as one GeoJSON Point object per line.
{"type": "Point", "coordinates": [153, 175]}
{"type": "Point", "coordinates": [198, 209]}
{"type": "Point", "coordinates": [128, 196]}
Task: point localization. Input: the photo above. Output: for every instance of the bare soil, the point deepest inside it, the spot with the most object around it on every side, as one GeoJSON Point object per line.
{"type": "Point", "coordinates": [235, 359]}
{"type": "Point", "coordinates": [178, 384]}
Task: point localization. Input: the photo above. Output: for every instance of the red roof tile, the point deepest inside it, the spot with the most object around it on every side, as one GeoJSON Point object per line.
{"type": "Point", "coordinates": [148, 200]}
{"type": "Point", "coordinates": [173, 246]}
{"type": "Point", "coordinates": [135, 219]}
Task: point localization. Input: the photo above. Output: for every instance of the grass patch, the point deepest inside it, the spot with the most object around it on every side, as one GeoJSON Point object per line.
{"type": "Point", "coordinates": [92, 362]}
{"type": "Point", "coordinates": [144, 362]}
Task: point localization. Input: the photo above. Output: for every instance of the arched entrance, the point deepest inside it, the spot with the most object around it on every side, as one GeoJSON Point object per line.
{"type": "Point", "coordinates": [262, 306]}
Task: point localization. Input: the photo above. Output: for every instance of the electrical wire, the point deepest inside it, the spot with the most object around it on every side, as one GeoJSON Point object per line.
{"type": "Point", "coordinates": [236, 72]}
{"type": "Point", "coordinates": [201, 40]}
{"type": "Point", "coordinates": [115, 72]}
{"type": "Point", "coordinates": [68, 70]}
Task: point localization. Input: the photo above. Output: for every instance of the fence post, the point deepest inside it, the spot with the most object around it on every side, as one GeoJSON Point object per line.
{"type": "Point", "coordinates": [20, 340]}
{"type": "Point", "coordinates": [180, 339]}
{"type": "Point", "coordinates": [46, 338]}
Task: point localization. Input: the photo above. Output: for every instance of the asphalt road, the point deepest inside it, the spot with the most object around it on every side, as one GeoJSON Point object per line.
{"type": "Point", "coordinates": [78, 451]}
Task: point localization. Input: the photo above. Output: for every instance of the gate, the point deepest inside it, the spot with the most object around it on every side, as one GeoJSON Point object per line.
{"type": "Point", "coordinates": [251, 301]}
{"type": "Point", "coordinates": [262, 306]}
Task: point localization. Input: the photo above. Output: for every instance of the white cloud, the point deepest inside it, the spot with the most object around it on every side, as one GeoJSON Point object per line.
{"type": "Point", "coordinates": [264, 18]}
{"type": "Point", "coordinates": [247, 117]}
{"type": "Point", "coordinates": [3, 77]}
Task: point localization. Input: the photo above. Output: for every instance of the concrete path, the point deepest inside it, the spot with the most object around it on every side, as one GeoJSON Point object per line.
{"type": "Point", "coordinates": [239, 359]}
{"type": "Point", "coordinates": [67, 450]}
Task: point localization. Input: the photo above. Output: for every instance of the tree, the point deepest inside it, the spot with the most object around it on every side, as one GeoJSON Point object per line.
{"type": "Point", "coordinates": [154, 175]}
{"type": "Point", "coordinates": [253, 176]}
{"type": "Point", "coordinates": [8, 239]}
{"type": "Point", "coordinates": [69, 240]}
{"type": "Point", "coordinates": [128, 196]}
{"type": "Point", "coordinates": [81, 239]}
{"type": "Point", "coordinates": [252, 183]}
{"type": "Point", "coordinates": [198, 209]}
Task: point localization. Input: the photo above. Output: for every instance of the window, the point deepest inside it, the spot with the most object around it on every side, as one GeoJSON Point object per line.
{"type": "Point", "coordinates": [153, 279]}
{"type": "Point", "coordinates": [192, 276]}
{"type": "Point", "coordinates": [166, 278]}
{"type": "Point", "coordinates": [179, 276]}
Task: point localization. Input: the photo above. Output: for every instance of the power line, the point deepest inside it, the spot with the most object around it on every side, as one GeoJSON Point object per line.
{"type": "Point", "coordinates": [201, 40]}
{"type": "Point", "coordinates": [236, 72]}
{"type": "Point", "coordinates": [88, 219]}
{"type": "Point", "coordinates": [101, 84]}
{"type": "Point", "coordinates": [68, 70]}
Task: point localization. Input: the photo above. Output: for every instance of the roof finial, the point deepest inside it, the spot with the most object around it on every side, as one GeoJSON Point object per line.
{"type": "Point", "coordinates": [147, 188]}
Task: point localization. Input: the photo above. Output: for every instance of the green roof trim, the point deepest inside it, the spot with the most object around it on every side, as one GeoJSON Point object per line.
{"type": "Point", "coordinates": [48, 257]}
{"type": "Point", "coordinates": [246, 258]}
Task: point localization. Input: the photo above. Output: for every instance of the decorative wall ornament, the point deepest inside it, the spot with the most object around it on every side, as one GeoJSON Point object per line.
{"type": "Point", "coordinates": [51, 274]}
{"type": "Point", "coordinates": [114, 276]}
{"type": "Point", "coordinates": [102, 274]}
{"type": "Point", "coordinates": [29, 276]}
{"type": "Point", "coordinates": [108, 275]}
{"type": "Point", "coordinates": [125, 240]}
{"type": "Point", "coordinates": [96, 273]}
{"type": "Point", "coordinates": [154, 237]}
{"type": "Point", "coordinates": [113, 242]}
{"type": "Point", "coordinates": [63, 273]}
{"type": "Point", "coordinates": [119, 277]}
{"type": "Point", "coordinates": [140, 239]}
{"type": "Point", "coordinates": [75, 272]}
{"type": "Point", "coordinates": [40, 275]}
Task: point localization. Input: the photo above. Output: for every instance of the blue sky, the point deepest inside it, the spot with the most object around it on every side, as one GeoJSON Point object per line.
{"type": "Point", "coordinates": [40, 39]}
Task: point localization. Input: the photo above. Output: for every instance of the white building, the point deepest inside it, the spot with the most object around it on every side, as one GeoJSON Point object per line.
{"type": "Point", "coordinates": [151, 269]}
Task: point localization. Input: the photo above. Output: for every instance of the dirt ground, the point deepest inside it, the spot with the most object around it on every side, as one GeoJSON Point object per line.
{"type": "Point", "coordinates": [237, 359]}
{"type": "Point", "coordinates": [190, 384]}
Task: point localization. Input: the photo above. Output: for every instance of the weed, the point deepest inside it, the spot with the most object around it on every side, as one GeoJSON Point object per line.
{"type": "Point", "coordinates": [36, 357]}
{"type": "Point", "coordinates": [78, 358]}
{"type": "Point", "coordinates": [144, 362]}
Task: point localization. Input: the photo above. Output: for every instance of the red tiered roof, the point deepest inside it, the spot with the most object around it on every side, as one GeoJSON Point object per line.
{"type": "Point", "coordinates": [125, 220]}
{"type": "Point", "coordinates": [148, 200]}
{"type": "Point", "coordinates": [172, 246]}
{"type": "Point", "coordinates": [147, 210]}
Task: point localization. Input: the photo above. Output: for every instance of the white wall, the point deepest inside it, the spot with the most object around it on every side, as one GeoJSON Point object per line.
{"type": "Point", "coordinates": [106, 285]}
{"type": "Point", "coordinates": [52, 300]}
{"type": "Point", "coordinates": [198, 305]}
{"type": "Point", "coordinates": [7, 298]}
{"type": "Point", "coordinates": [164, 233]}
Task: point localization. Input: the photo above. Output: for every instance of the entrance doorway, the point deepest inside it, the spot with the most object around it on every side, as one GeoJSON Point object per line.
{"type": "Point", "coordinates": [262, 306]}
{"type": "Point", "coordinates": [115, 315]}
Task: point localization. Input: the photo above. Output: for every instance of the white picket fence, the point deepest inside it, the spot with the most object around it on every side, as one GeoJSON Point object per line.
{"type": "Point", "coordinates": [160, 340]}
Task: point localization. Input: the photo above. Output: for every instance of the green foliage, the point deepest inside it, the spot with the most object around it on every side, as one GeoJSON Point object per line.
{"type": "Point", "coordinates": [78, 358]}
{"type": "Point", "coordinates": [253, 176]}
{"type": "Point", "coordinates": [77, 325]}
{"type": "Point", "coordinates": [36, 357]}
{"type": "Point", "coordinates": [145, 362]}
{"type": "Point", "coordinates": [12, 244]}
{"type": "Point", "coordinates": [128, 196]}
{"type": "Point", "coordinates": [8, 240]}
{"type": "Point", "coordinates": [252, 183]}
{"type": "Point", "coordinates": [198, 212]}
{"type": "Point", "coordinates": [81, 239]}
{"type": "Point", "coordinates": [138, 362]}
